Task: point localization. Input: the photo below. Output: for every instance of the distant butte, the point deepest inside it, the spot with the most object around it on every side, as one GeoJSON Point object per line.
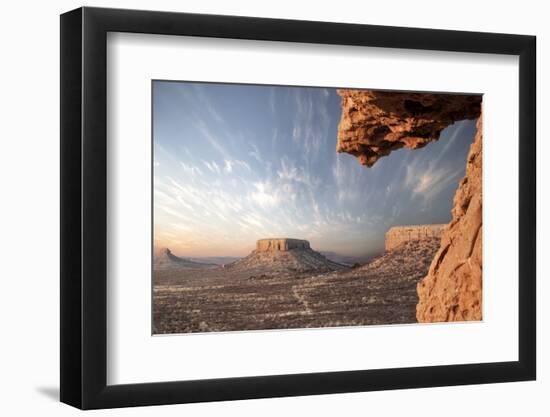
{"type": "Point", "coordinates": [398, 235]}
{"type": "Point", "coordinates": [281, 244]}
{"type": "Point", "coordinates": [276, 255]}
{"type": "Point", "coordinates": [166, 260]}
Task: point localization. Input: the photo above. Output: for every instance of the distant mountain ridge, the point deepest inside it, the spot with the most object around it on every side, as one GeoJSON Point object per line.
{"type": "Point", "coordinates": [166, 260]}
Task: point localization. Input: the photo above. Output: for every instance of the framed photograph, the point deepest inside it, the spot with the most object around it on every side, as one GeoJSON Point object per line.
{"type": "Point", "coordinates": [257, 208]}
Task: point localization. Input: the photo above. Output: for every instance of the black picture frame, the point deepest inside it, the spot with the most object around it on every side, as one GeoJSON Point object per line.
{"type": "Point", "coordinates": [84, 207]}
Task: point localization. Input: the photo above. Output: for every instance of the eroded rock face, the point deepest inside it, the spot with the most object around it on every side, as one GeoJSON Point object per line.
{"type": "Point", "coordinates": [282, 255]}
{"type": "Point", "coordinates": [452, 290]}
{"type": "Point", "coordinates": [281, 244]}
{"type": "Point", "coordinates": [373, 124]}
{"type": "Point", "coordinates": [398, 235]}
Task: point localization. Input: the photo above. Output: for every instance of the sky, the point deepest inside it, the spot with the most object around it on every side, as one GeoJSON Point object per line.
{"type": "Point", "coordinates": [236, 163]}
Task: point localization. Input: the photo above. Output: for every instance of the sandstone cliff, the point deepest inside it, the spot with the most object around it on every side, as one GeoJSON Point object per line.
{"type": "Point", "coordinates": [282, 244]}
{"type": "Point", "coordinates": [401, 234]}
{"type": "Point", "coordinates": [373, 124]}
{"type": "Point", "coordinates": [452, 290]}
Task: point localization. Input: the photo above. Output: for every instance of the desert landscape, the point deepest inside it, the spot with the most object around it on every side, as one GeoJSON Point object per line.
{"type": "Point", "coordinates": [285, 284]}
{"type": "Point", "coordinates": [316, 225]}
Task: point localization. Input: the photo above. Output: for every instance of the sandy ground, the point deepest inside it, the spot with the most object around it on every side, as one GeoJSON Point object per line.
{"type": "Point", "coordinates": [382, 291]}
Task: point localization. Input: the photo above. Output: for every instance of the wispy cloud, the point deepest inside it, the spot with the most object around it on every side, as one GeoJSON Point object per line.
{"type": "Point", "coordinates": [230, 165]}
{"type": "Point", "coordinates": [290, 172]}
{"type": "Point", "coordinates": [264, 194]}
{"type": "Point", "coordinates": [311, 121]}
{"type": "Point", "coordinates": [204, 101]}
{"type": "Point", "coordinates": [272, 102]}
{"type": "Point", "coordinates": [190, 169]}
{"type": "Point", "coordinates": [212, 167]}
{"type": "Point", "coordinates": [224, 178]}
{"type": "Point", "coordinates": [255, 153]}
{"type": "Point", "coordinates": [450, 141]}
{"type": "Point", "coordinates": [212, 138]}
{"type": "Point", "coordinates": [428, 180]}
{"type": "Point", "coordinates": [347, 181]}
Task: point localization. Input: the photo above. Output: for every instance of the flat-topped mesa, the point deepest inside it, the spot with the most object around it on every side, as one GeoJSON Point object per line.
{"type": "Point", "coordinates": [283, 256]}
{"type": "Point", "coordinates": [398, 235]}
{"type": "Point", "coordinates": [281, 244]}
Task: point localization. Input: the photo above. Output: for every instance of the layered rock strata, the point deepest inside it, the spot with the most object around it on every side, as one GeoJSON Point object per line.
{"type": "Point", "coordinates": [375, 123]}
{"type": "Point", "coordinates": [283, 255]}
{"type": "Point", "coordinates": [282, 244]}
{"type": "Point", "coordinates": [401, 234]}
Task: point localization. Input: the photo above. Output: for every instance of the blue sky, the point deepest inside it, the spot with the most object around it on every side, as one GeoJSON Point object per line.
{"type": "Point", "coordinates": [236, 163]}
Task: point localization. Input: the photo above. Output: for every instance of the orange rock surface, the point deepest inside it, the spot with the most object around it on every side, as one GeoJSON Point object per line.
{"type": "Point", "coordinates": [398, 235]}
{"type": "Point", "coordinates": [375, 123]}
{"type": "Point", "coordinates": [452, 290]}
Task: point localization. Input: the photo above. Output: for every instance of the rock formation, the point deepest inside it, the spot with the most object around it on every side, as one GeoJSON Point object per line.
{"type": "Point", "coordinates": [452, 290]}
{"type": "Point", "coordinates": [283, 244]}
{"type": "Point", "coordinates": [373, 124]}
{"type": "Point", "coordinates": [401, 234]}
{"type": "Point", "coordinates": [253, 296]}
{"type": "Point", "coordinates": [274, 256]}
{"type": "Point", "coordinates": [166, 260]}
